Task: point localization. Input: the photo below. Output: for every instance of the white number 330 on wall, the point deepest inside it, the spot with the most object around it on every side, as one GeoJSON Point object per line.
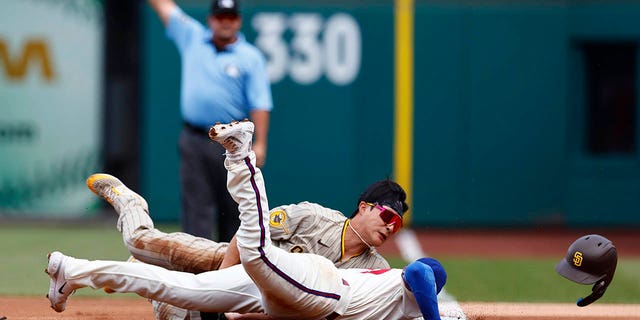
{"type": "Point", "coordinates": [337, 54]}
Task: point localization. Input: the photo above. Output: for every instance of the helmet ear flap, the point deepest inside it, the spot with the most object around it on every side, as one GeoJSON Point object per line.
{"type": "Point", "coordinates": [597, 291]}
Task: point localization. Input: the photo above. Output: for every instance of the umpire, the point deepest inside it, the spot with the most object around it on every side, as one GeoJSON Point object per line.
{"type": "Point", "coordinates": [223, 78]}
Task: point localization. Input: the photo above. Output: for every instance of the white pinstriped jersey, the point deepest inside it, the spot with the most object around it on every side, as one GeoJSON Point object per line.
{"type": "Point", "coordinates": [379, 294]}
{"type": "Point", "coordinates": [311, 228]}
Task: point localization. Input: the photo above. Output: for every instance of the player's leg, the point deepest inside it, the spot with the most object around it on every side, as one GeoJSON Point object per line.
{"type": "Point", "coordinates": [229, 289]}
{"type": "Point", "coordinates": [174, 251]}
{"type": "Point", "coordinates": [293, 285]}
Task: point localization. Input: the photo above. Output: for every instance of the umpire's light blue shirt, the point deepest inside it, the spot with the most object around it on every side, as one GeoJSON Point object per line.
{"type": "Point", "coordinates": [217, 86]}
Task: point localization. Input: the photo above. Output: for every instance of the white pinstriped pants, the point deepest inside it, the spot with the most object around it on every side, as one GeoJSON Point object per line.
{"type": "Point", "coordinates": [226, 290]}
{"type": "Point", "coordinates": [293, 285]}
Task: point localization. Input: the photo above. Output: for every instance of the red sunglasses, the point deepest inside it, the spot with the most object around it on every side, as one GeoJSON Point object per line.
{"type": "Point", "coordinates": [389, 217]}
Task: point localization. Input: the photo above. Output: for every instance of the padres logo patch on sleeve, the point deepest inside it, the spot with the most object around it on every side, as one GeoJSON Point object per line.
{"type": "Point", "coordinates": [277, 218]}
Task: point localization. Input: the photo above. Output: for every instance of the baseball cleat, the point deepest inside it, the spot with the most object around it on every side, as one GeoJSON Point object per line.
{"type": "Point", "coordinates": [235, 137]}
{"type": "Point", "coordinates": [59, 292]}
{"type": "Point", "coordinates": [111, 188]}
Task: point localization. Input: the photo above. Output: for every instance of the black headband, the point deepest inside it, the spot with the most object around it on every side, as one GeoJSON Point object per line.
{"type": "Point", "coordinates": [395, 205]}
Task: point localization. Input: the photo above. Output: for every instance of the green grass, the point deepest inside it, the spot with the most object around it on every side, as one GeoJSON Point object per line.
{"type": "Point", "coordinates": [530, 280]}
{"type": "Point", "coordinates": [23, 253]}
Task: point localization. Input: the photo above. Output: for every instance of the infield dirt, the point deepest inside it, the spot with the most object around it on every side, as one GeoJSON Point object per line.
{"type": "Point", "coordinates": [33, 308]}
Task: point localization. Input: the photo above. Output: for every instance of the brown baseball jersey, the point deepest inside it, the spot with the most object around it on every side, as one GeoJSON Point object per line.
{"type": "Point", "coordinates": [311, 228]}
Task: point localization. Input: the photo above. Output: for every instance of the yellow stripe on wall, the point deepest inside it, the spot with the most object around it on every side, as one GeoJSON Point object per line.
{"type": "Point", "coordinates": [403, 116]}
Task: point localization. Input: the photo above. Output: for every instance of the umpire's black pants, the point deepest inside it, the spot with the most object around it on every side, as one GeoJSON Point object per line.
{"type": "Point", "coordinates": [206, 203]}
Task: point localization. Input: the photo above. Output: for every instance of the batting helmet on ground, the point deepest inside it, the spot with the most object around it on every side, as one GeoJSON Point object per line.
{"type": "Point", "coordinates": [591, 259]}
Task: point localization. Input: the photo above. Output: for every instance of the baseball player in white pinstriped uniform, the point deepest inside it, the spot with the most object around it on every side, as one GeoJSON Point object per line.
{"type": "Point", "coordinates": [292, 286]}
{"type": "Point", "coordinates": [303, 227]}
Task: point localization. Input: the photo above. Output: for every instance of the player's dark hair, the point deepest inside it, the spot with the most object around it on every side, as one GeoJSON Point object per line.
{"type": "Point", "coordinates": [385, 192]}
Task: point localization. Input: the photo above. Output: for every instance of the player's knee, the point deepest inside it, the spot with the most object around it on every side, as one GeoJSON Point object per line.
{"type": "Point", "coordinates": [137, 240]}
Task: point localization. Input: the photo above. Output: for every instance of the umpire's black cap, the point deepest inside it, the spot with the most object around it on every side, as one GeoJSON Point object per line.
{"type": "Point", "coordinates": [224, 7]}
{"type": "Point", "coordinates": [589, 259]}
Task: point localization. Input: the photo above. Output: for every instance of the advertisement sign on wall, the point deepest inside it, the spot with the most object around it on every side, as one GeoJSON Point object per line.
{"type": "Point", "coordinates": [50, 102]}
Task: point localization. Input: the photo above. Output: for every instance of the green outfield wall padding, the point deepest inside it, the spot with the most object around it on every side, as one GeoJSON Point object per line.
{"type": "Point", "coordinates": [499, 110]}
{"type": "Point", "coordinates": [327, 141]}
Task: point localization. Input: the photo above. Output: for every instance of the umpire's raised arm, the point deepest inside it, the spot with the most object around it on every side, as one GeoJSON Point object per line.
{"type": "Point", "coordinates": [163, 8]}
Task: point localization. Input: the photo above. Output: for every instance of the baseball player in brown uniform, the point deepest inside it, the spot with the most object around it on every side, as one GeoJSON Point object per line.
{"type": "Point", "coordinates": [300, 228]}
{"type": "Point", "coordinates": [303, 227]}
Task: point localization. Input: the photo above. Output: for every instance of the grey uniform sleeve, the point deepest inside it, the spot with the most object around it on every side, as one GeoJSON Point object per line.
{"type": "Point", "coordinates": [307, 227]}
{"type": "Point", "coordinates": [290, 221]}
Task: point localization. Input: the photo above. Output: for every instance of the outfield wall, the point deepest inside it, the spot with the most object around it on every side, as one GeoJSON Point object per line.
{"type": "Point", "coordinates": [502, 113]}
